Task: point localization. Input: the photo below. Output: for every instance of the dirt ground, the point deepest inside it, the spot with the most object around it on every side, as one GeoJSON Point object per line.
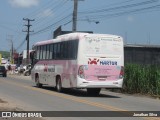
{"type": "Point", "coordinates": [5, 106]}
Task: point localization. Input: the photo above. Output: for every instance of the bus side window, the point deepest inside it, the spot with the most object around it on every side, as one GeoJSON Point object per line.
{"type": "Point", "coordinates": [72, 50]}
{"type": "Point", "coordinates": [69, 50]}
{"type": "Point", "coordinates": [44, 52]}
{"type": "Point", "coordinates": [41, 53]}
{"type": "Point", "coordinates": [58, 51]}
{"type": "Point", "coordinates": [61, 50]}
{"type": "Point", "coordinates": [75, 49]}
{"type": "Point", "coordinates": [51, 51]}
{"type": "Point", "coordinates": [65, 50]}
{"type": "Point", "coordinates": [38, 52]}
{"type": "Point", "coordinates": [47, 51]}
{"type": "Point", "coordinates": [54, 51]}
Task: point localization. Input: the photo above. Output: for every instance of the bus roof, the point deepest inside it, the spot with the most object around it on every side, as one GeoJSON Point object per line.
{"type": "Point", "coordinates": [71, 36]}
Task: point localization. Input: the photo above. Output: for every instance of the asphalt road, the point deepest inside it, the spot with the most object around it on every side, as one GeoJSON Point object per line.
{"type": "Point", "coordinates": [21, 91]}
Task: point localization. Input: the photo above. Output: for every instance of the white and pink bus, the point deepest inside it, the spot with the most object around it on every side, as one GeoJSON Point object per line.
{"type": "Point", "coordinates": [79, 60]}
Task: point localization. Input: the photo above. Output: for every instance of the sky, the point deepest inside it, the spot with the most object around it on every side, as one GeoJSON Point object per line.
{"type": "Point", "coordinates": [137, 21]}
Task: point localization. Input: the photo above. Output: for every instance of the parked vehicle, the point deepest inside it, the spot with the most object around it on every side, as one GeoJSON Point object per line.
{"type": "Point", "coordinates": [3, 71]}
{"type": "Point", "coordinates": [27, 71]}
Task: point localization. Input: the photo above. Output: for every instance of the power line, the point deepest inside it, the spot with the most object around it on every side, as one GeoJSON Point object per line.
{"type": "Point", "coordinates": [124, 11]}
{"type": "Point", "coordinates": [121, 7]}
{"type": "Point", "coordinates": [51, 21]}
{"type": "Point", "coordinates": [135, 11]}
{"type": "Point", "coordinates": [59, 16]}
{"type": "Point", "coordinates": [52, 25]}
{"type": "Point", "coordinates": [40, 17]}
{"type": "Point", "coordinates": [37, 11]}
{"type": "Point", "coordinates": [5, 27]}
{"type": "Point", "coordinates": [74, 19]}
{"type": "Point", "coordinates": [108, 5]}
{"type": "Point", "coordinates": [21, 44]}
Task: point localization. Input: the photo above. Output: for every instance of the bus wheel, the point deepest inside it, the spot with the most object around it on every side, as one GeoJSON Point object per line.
{"type": "Point", "coordinates": [38, 84]}
{"type": "Point", "coordinates": [93, 91]}
{"type": "Point", "coordinates": [58, 84]}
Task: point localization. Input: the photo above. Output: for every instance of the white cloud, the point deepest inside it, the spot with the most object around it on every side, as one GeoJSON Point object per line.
{"type": "Point", "coordinates": [130, 18]}
{"type": "Point", "coordinates": [46, 13]}
{"type": "Point", "coordinates": [24, 3]}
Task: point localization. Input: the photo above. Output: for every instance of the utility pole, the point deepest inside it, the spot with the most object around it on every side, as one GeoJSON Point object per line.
{"type": "Point", "coordinates": [9, 38]}
{"type": "Point", "coordinates": [74, 27]}
{"type": "Point", "coordinates": [75, 16]}
{"type": "Point", "coordinates": [27, 36]}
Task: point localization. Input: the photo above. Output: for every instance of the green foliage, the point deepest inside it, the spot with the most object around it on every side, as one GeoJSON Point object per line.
{"type": "Point", "coordinates": [142, 79]}
{"type": "Point", "coordinates": [5, 54]}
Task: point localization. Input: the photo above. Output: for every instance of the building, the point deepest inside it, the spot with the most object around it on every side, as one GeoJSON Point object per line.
{"type": "Point", "coordinates": [142, 54]}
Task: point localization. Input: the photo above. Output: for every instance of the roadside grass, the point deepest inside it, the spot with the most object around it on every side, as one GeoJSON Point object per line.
{"type": "Point", "coordinates": [142, 79]}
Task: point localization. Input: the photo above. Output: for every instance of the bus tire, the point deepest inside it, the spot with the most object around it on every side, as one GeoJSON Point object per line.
{"type": "Point", "coordinates": [38, 84]}
{"type": "Point", "coordinates": [58, 84]}
{"type": "Point", "coordinates": [93, 91]}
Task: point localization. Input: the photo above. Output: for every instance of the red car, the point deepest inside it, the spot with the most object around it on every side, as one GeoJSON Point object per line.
{"type": "Point", "coordinates": [3, 71]}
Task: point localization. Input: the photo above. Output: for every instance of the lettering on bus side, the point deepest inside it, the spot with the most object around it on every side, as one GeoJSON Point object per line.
{"type": "Point", "coordinates": [51, 68]}
{"type": "Point", "coordinates": [108, 62]}
{"type": "Point", "coordinates": [45, 68]}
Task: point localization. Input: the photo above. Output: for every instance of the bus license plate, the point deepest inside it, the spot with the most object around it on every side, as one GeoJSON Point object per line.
{"type": "Point", "coordinates": [102, 78]}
